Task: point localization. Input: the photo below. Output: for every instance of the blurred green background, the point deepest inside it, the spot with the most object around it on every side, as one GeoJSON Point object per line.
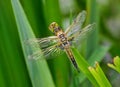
{"type": "Point", "coordinates": [14, 70]}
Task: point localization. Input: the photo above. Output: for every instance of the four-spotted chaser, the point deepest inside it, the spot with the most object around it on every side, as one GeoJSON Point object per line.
{"type": "Point", "coordinates": [62, 40]}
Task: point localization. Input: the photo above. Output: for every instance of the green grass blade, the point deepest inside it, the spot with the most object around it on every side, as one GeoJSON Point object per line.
{"type": "Point", "coordinates": [100, 76]}
{"type": "Point", "coordinates": [38, 70]}
{"type": "Point", "coordinates": [13, 71]}
{"type": "Point", "coordinates": [83, 65]}
{"type": "Point", "coordinates": [97, 55]}
{"type": "Point", "coordinates": [92, 12]}
{"type": "Point", "coordinates": [35, 14]}
{"type": "Point", "coordinates": [116, 65]}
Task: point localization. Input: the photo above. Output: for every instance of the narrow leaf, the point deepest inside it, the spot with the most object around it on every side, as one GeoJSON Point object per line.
{"type": "Point", "coordinates": [38, 70]}
{"type": "Point", "coordinates": [83, 65]}
{"type": "Point", "coordinates": [116, 65]}
{"type": "Point", "coordinates": [99, 76]}
{"type": "Point", "coordinates": [97, 55]}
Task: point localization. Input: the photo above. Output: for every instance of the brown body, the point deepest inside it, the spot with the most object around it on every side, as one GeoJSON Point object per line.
{"type": "Point", "coordinates": [65, 44]}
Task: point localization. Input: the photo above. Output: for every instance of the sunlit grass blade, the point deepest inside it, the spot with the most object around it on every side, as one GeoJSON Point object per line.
{"type": "Point", "coordinates": [116, 65]}
{"type": "Point", "coordinates": [83, 65]}
{"type": "Point", "coordinates": [38, 70]}
{"type": "Point", "coordinates": [97, 55]}
{"type": "Point", "coordinates": [13, 72]}
{"type": "Point", "coordinates": [99, 76]}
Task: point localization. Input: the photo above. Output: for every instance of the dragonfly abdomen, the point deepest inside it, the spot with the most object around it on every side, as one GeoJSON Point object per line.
{"type": "Point", "coordinates": [72, 59]}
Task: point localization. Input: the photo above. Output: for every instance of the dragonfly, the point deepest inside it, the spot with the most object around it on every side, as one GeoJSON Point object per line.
{"type": "Point", "coordinates": [62, 41]}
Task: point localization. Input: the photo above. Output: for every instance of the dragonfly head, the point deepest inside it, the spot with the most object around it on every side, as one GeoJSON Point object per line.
{"type": "Point", "coordinates": [54, 27]}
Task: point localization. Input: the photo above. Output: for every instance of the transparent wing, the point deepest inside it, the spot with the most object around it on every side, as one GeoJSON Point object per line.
{"type": "Point", "coordinates": [43, 42]}
{"type": "Point", "coordinates": [82, 34]}
{"type": "Point", "coordinates": [77, 23]}
{"type": "Point", "coordinates": [49, 47]}
{"type": "Point", "coordinates": [47, 43]}
{"type": "Point", "coordinates": [48, 52]}
{"type": "Point", "coordinates": [52, 51]}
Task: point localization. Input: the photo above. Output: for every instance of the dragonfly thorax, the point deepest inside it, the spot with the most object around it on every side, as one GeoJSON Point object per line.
{"type": "Point", "coordinates": [63, 39]}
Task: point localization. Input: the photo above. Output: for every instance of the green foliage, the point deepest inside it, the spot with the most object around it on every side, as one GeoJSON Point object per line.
{"type": "Point", "coordinates": [97, 73]}
{"type": "Point", "coordinates": [21, 20]}
{"type": "Point", "coordinates": [83, 65]}
{"type": "Point", "coordinates": [92, 41]}
{"type": "Point", "coordinates": [38, 71]}
{"type": "Point", "coordinates": [97, 55]}
{"type": "Point", "coordinates": [99, 76]}
{"type": "Point", "coordinates": [116, 65]}
{"type": "Point", "coordinates": [13, 71]}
